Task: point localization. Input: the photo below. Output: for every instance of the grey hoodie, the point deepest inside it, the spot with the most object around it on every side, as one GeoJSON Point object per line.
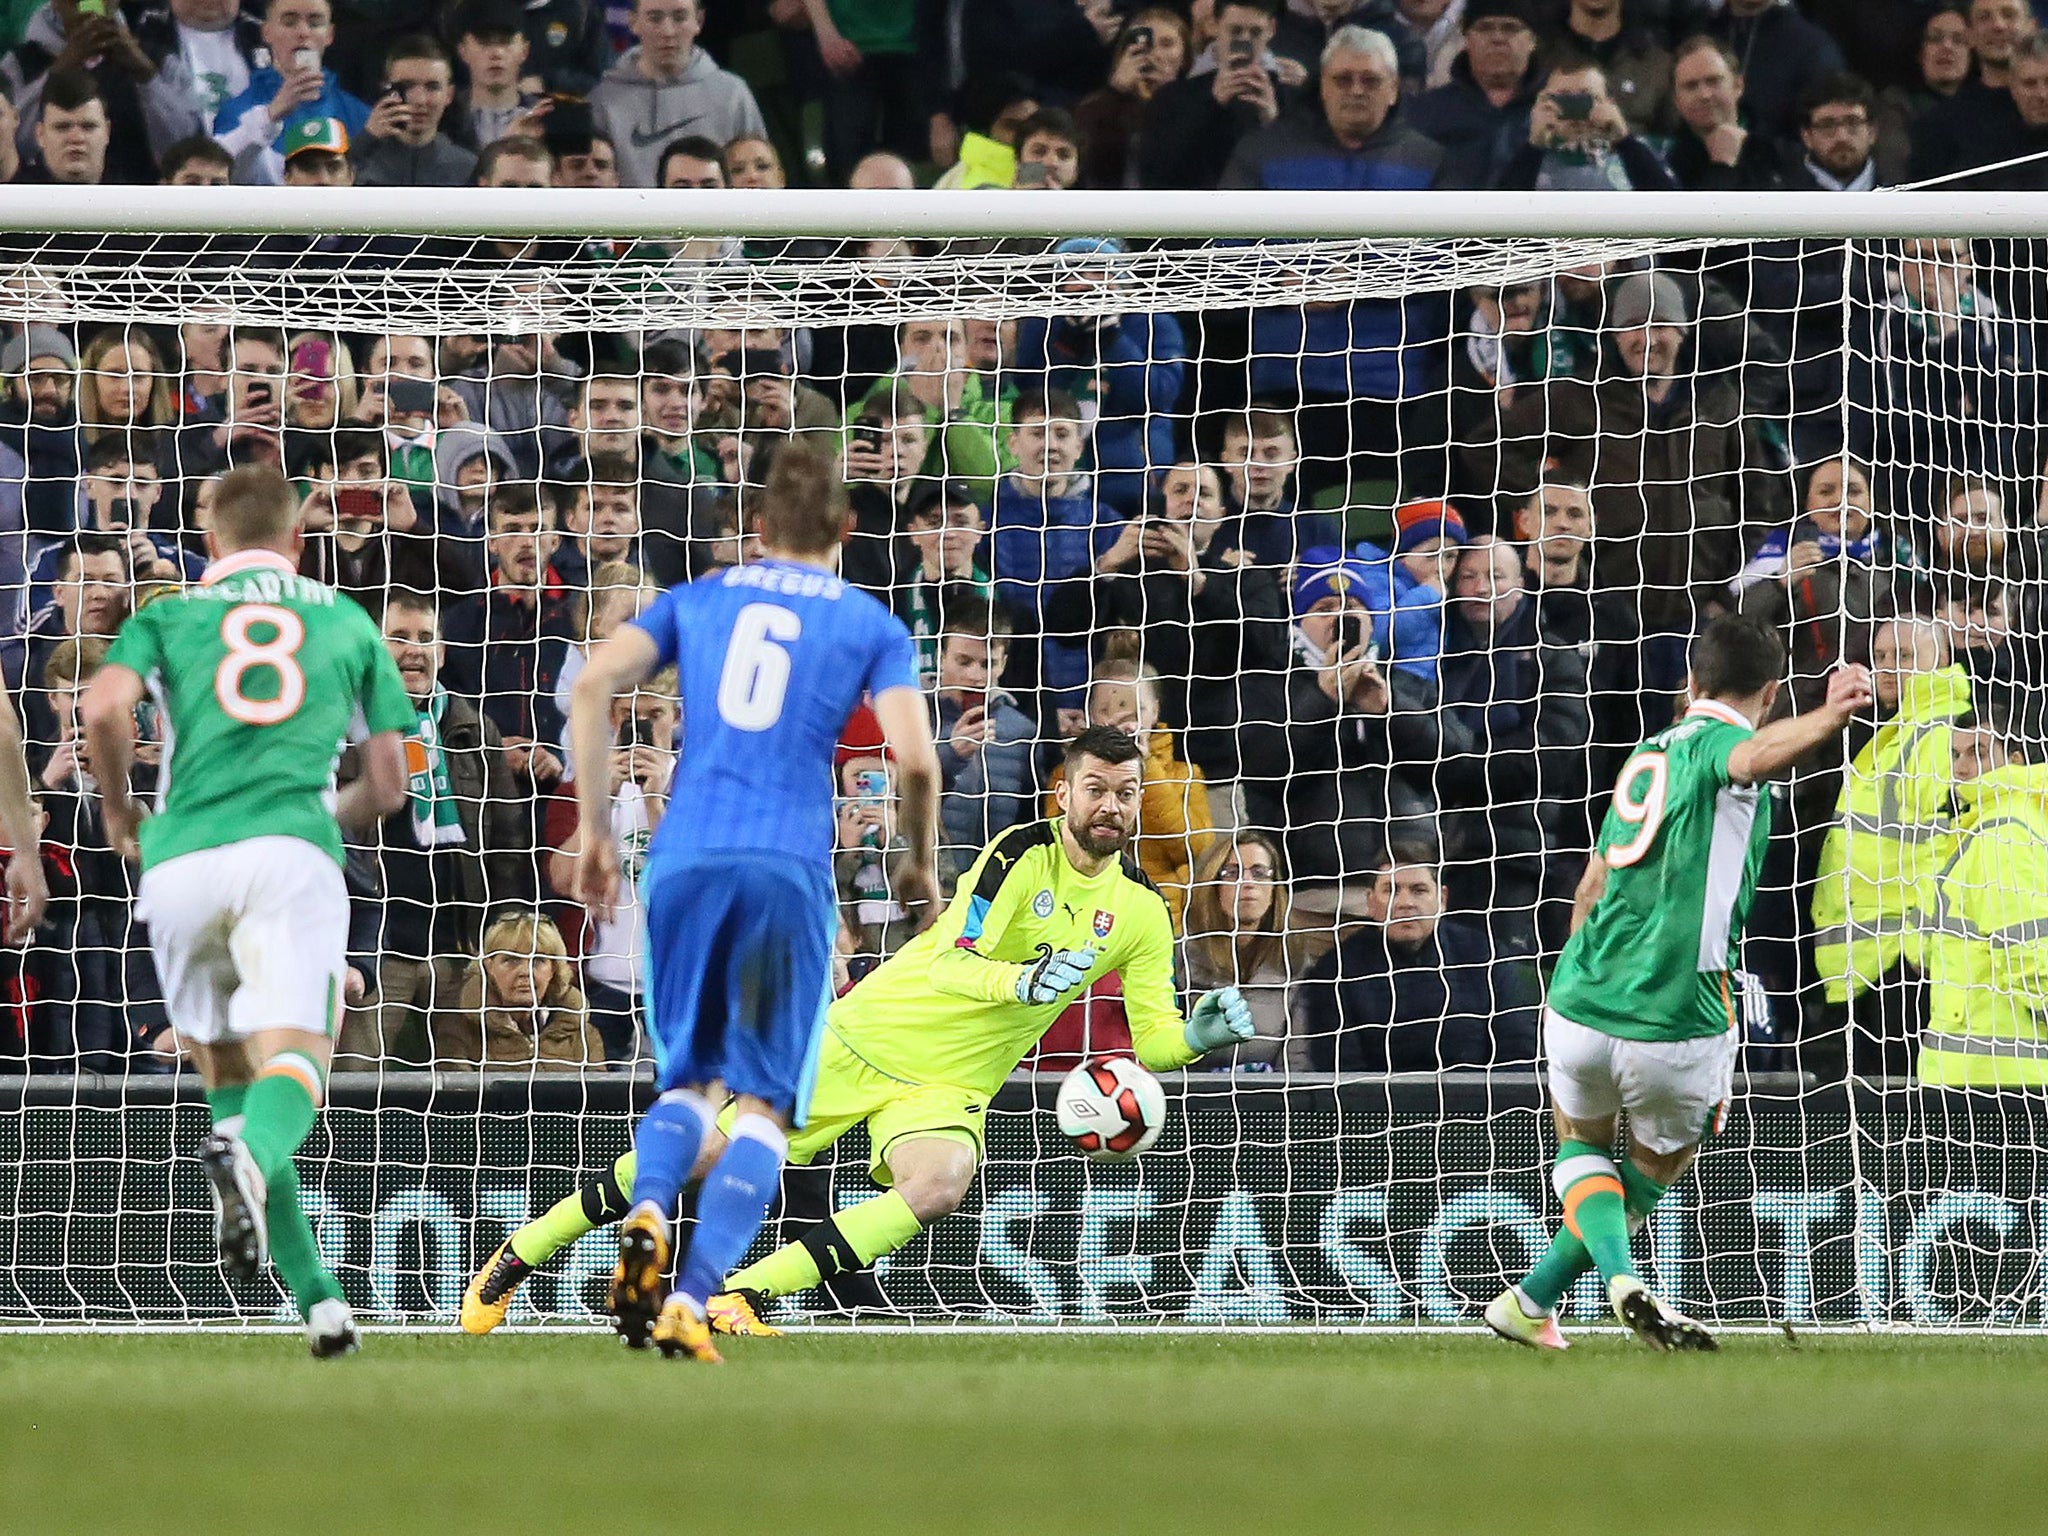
{"type": "Point", "coordinates": [645, 116]}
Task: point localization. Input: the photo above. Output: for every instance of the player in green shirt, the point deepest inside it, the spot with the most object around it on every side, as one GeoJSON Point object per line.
{"type": "Point", "coordinates": [1642, 1012]}
{"type": "Point", "coordinates": [917, 1050]}
{"type": "Point", "coordinates": [261, 678]}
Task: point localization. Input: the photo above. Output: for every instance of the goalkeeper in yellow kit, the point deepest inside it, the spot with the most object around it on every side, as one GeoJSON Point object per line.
{"type": "Point", "coordinates": [917, 1050]}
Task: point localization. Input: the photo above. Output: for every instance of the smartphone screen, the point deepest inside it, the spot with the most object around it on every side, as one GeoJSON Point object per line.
{"type": "Point", "coordinates": [410, 396]}
{"type": "Point", "coordinates": [365, 502]}
{"type": "Point", "coordinates": [1350, 633]}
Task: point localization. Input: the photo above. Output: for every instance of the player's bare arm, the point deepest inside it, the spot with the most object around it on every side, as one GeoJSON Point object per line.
{"type": "Point", "coordinates": [1777, 746]}
{"type": "Point", "coordinates": [907, 729]}
{"type": "Point", "coordinates": [621, 664]}
{"type": "Point", "coordinates": [108, 713]}
{"type": "Point", "coordinates": [27, 892]}
{"type": "Point", "coordinates": [379, 790]}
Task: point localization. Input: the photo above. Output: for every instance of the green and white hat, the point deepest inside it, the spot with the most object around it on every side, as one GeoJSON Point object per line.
{"type": "Point", "coordinates": [323, 133]}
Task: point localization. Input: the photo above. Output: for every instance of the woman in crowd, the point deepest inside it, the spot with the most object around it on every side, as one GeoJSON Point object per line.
{"type": "Point", "coordinates": [124, 384]}
{"type": "Point", "coordinates": [320, 386]}
{"type": "Point", "coordinates": [1175, 820]}
{"type": "Point", "coordinates": [1238, 933]}
{"type": "Point", "coordinates": [752, 162]}
{"type": "Point", "coordinates": [519, 1005]}
{"type": "Point", "coordinates": [1150, 52]}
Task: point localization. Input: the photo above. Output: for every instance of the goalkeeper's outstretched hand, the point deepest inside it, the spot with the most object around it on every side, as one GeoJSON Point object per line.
{"type": "Point", "coordinates": [1219, 1018]}
{"type": "Point", "coordinates": [1054, 974]}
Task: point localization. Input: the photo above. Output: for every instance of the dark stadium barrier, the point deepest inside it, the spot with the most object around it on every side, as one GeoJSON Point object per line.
{"type": "Point", "coordinates": [1332, 1202]}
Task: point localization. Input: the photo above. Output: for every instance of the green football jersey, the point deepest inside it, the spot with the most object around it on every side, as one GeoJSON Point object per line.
{"type": "Point", "coordinates": [1684, 846]}
{"type": "Point", "coordinates": [260, 677]}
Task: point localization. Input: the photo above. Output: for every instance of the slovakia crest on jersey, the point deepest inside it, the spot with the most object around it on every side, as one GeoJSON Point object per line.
{"type": "Point", "coordinates": [1104, 921]}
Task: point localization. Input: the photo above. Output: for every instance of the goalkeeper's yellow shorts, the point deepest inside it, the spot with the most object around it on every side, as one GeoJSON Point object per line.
{"type": "Point", "coordinates": [848, 1091]}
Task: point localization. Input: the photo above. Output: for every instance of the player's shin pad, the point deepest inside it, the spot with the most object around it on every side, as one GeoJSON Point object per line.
{"type": "Point", "coordinates": [597, 1204]}
{"type": "Point", "coordinates": [852, 1240]}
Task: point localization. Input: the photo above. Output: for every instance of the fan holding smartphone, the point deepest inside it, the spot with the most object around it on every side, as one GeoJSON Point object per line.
{"type": "Point", "coordinates": [1338, 632]}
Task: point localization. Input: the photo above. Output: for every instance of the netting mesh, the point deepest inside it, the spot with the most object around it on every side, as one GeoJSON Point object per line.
{"type": "Point", "coordinates": [1391, 550]}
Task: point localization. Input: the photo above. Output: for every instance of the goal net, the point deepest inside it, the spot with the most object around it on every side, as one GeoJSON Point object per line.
{"type": "Point", "coordinates": [1389, 545]}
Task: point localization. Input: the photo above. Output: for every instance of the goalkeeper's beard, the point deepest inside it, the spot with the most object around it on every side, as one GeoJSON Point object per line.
{"type": "Point", "coordinates": [1100, 839]}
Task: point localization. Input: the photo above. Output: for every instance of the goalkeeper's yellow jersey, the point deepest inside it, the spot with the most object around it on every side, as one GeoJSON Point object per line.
{"type": "Point", "coordinates": [944, 1008]}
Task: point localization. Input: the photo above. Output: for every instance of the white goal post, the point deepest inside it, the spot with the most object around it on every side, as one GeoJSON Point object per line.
{"type": "Point", "coordinates": [1819, 408]}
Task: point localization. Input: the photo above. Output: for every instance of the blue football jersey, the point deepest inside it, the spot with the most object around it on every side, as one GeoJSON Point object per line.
{"type": "Point", "coordinates": [773, 657]}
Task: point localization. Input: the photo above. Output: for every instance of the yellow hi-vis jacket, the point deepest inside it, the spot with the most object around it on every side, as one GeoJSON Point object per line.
{"type": "Point", "coordinates": [1892, 834]}
{"type": "Point", "coordinates": [1987, 953]}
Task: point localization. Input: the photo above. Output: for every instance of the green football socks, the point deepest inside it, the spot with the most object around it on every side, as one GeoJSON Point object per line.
{"type": "Point", "coordinates": [852, 1240]}
{"type": "Point", "coordinates": [580, 1211]}
{"type": "Point", "coordinates": [280, 1108]}
{"type": "Point", "coordinates": [1590, 1186]}
{"type": "Point", "coordinates": [293, 1249]}
{"type": "Point", "coordinates": [1568, 1258]}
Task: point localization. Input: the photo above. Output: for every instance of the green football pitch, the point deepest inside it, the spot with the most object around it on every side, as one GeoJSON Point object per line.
{"type": "Point", "coordinates": [832, 1432]}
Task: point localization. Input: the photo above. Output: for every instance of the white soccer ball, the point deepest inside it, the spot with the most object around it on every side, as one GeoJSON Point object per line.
{"type": "Point", "coordinates": [1112, 1108]}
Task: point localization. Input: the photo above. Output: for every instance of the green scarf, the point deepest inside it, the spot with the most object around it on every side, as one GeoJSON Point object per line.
{"type": "Point", "coordinates": [435, 820]}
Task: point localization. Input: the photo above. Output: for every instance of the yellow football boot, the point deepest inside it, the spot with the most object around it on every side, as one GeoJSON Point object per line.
{"type": "Point", "coordinates": [736, 1313]}
{"type": "Point", "coordinates": [680, 1333]}
{"type": "Point", "coordinates": [639, 1284]}
{"type": "Point", "coordinates": [490, 1291]}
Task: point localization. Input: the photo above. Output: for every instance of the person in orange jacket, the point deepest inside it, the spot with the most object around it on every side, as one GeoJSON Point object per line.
{"type": "Point", "coordinates": [1174, 821]}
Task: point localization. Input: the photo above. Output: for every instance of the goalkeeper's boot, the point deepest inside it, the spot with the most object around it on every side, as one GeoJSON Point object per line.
{"type": "Point", "coordinates": [680, 1334]}
{"type": "Point", "coordinates": [239, 1194]}
{"type": "Point", "coordinates": [639, 1284]}
{"type": "Point", "coordinates": [1506, 1316]}
{"type": "Point", "coordinates": [490, 1291]}
{"type": "Point", "coordinates": [738, 1313]}
{"type": "Point", "coordinates": [331, 1330]}
{"type": "Point", "coordinates": [1654, 1323]}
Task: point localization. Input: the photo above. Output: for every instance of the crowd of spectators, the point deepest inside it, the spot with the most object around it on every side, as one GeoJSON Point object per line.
{"type": "Point", "coordinates": [1385, 588]}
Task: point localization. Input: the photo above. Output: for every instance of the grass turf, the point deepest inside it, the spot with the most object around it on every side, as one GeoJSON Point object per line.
{"type": "Point", "coordinates": [829, 1432]}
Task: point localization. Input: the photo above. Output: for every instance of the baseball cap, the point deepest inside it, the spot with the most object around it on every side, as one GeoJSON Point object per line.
{"type": "Point", "coordinates": [1477, 11]}
{"type": "Point", "coordinates": [329, 134]}
{"type": "Point", "coordinates": [489, 18]}
{"type": "Point", "coordinates": [936, 495]}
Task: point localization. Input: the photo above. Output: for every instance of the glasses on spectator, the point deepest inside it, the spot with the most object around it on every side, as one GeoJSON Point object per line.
{"type": "Point", "coordinates": [1231, 872]}
{"type": "Point", "coordinates": [1847, 122]}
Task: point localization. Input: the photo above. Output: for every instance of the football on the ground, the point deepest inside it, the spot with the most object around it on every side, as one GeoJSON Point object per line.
{"type": "Point", "coordinates": [1112, 1108]}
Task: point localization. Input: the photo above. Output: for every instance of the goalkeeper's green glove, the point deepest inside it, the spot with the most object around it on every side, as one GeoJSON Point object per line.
{"type": "Point", "coordinates": [1054, 974]}
{"type": "Point", "coordinates": [1219, 1018]}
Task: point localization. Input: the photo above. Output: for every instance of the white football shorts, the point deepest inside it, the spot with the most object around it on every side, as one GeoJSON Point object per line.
{"type": "Point", "coordinates": [1676, 1092]}
{"type": "Point", "coordinates": [249, 936]}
